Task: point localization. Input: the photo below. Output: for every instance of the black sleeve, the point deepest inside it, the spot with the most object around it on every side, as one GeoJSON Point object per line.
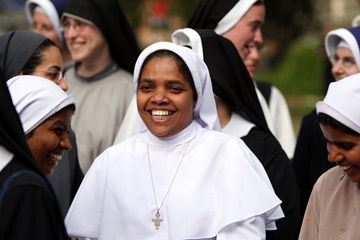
{"type": "Point", "coordinates": [301, 164]}
{"type": "Point", "coordinates": [282, 177]}
{"type": "Point", "coordinates": [76, 172]}
{"type": "Point", "coordinates": [28, 211]}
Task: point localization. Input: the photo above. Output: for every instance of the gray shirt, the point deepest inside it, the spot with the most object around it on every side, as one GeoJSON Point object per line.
{"type": "Point", "coordinates": [101, 103]}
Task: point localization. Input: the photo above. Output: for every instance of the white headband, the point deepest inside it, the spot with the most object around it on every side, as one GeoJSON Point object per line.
{"type": "Point", "coordinates": [343, 44]}
{"type": "Point", "coordinates": [49, 9]}
{"type": "Point", "coordinates": [205, 109]}
{"type": "Point", "coordinates": [332, 40]}
{"type": "Point", "coordinates": [188, 37]}
{"type": "Point", "coordinates": [342, 102]}
{"type": "Point", "coordinates": [233, 16]}
{"type": "Point", "coordinates": [36, 99]}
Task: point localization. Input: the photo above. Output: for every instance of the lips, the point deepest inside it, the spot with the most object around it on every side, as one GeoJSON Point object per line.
{"type": "Point", "coordinates": [350, 170]}
{"type": "Point", "coordinates": [161, 114]}
{"type": "Point", "coordinates": [54, 158]}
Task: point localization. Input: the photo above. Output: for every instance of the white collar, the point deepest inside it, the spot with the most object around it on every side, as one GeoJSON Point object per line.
{"type": "Point", "coordinates": [185, 135]}
{"type": "Point", "coordinates": [238, 126]}
{"type": "Point", "coordinates": [5, 157]}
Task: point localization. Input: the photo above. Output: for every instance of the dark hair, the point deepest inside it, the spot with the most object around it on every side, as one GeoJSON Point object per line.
{"type": "Point", "coordinates": [70, 107]}
{"type": "Point", "coordinates": [183, 68]}
{"type": "Point", "coordinates": [325, 119]}
{"type": "Point", "coordinates": [259, 2]}
{"type": "Point", "coordinates": [36, 58]}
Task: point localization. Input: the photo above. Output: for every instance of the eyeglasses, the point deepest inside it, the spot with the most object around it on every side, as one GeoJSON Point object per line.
{"type": "Point", "coordinates": [55, 76]}
{"type": "Point", "coordinates": [78, 26]}
{"type": "Point", "coordinates": [346, 62]}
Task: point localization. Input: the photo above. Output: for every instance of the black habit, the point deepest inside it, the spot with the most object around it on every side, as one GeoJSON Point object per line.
{"type": "Point", "coordinates": [28, 206]}
{"type": "Point", "coordinates": [233, 84]}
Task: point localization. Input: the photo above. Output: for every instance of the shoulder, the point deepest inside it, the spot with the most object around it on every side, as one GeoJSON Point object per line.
{"type": "Point", "coordinates": [329, 180]}
{"type": "Point", "coordinates": [120, 152]}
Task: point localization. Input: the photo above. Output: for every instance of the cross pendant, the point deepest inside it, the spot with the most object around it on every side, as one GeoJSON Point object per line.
{"type": "Point", "coordinates": [157, 220]}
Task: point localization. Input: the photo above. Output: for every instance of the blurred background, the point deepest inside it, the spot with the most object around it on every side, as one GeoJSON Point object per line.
{"type": "Point", "coordinates": [293, 58]}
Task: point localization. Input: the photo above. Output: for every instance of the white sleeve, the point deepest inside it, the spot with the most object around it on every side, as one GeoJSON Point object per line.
{"type": "Point", "coordinates": [283, 127]}
{"type": "Point", "coordinates": [251, 229]}
{"type": "Point", "coordinates": [129, 125]}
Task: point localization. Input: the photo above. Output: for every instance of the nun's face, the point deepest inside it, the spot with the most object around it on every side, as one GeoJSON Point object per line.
{"type": "Point", "coordinates": [164, 97]}
{"type": "Point", "coordinates": [252, 59]}
{"type": "Point", "coordinates": [344, 64]}
{"type": "Point", "coordinates": [52, 67]}
{"type": "Point", "coordinates": [49, 140]}
{"type": "Point", "coordinates": [344, 150]}
{"type": "Point", "coordinates": [247, 30]}
{"type": "Point", "coordinates": [85, 42]}
{"type": "Point", "coordinates": [41, 24]}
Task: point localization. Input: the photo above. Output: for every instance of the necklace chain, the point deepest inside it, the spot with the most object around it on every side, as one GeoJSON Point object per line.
{"type": "Point", "coordinates": [157, 220]}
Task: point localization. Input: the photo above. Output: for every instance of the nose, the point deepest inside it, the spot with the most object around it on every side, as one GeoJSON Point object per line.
{"type": "Point", "coordinates": [258, 36]}
{"type": "Point", "coordinates": [335, 155]}
{"type": "Point", "coordinates": [337, 68]}
{"type": "Point", "coordinates": [63, 85]}
{"type": "Point", "coordinates": [65, 141]}
{"type": "Point", "coordinates": [160, 97]}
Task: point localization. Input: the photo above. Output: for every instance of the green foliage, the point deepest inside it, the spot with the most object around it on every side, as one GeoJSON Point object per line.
{"type": "Point", "coordinates": [300, 71]}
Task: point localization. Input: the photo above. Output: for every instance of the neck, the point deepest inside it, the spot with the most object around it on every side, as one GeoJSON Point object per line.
{"type": "Point", "coordinates": [223, 111]}
{"type": "Point", "coordinates": [96, 64]}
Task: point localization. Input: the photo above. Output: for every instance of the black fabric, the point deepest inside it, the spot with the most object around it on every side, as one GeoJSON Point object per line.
{"type": "Point", "coordinates": [230, 78]}
{"type": "Point", "coordinates": [310, 157]}
{"type": "Point", "coordinates": [28, 210]}
{"type": "Point", "coordinates": [233, 84]}
{"type": "Point", "coordinates": [13, 55]}
{"type": "Point", "coordinates": [268, 150]}
{"type": "Point", "coordinates": [67, 176]}
{"type": "Point", "coordinates": [265, 89]}
{"type": "Point", "coordinates": [15, 50]}
{"type": "Point", "coordinates": [209, 12]}
{"type": "Point", "coordinates": [108, 16]}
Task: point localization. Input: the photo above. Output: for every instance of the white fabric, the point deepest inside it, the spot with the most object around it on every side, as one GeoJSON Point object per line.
{"type": "Point", "coordinates": [219, 183]}
{"type": "Point", "coordinates": [332, 40]}
{"type": "Point", "coordinates": [356, 21]}
{"type": "Point", "coordinates": [233, 16]}
{"type": "Point", "coordinates": [343, 44]}
{"type": "Point", "coordinates": [5, 157]}
{"type": "Point", "coordinates": [130, 124]}
{"type": "Point", "coordinates": [276, 113]}
{"type": "Point", "coordinates": [205, 104]}
{"type": "Point", "coordinates": [212, 194]}
{"type": "Point", "coordinates": [342, 102]}
{"type": "Point", "coordinates": [237, 126]}
{"type": "Point", "coordinates": [282, 122]}
{"type": "Point", "coordinates": [188, 37]}
{"type": "Point", "coordinates": [49, 10]}
{"type": "Point", "coordinates": [36, 99]}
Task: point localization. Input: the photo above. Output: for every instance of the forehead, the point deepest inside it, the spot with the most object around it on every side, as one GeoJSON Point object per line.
{"type": "Point", "coordinates": [340, 51]}
{"type": "Point", "coordinates": [39, 16]}
{"type": "Point", "coordinates": [256, 13]}
{"type": "Point", "coordinates": [164, 64]}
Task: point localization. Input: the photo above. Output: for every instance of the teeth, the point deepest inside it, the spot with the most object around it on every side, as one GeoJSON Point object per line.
{"type": "Point", "coordinates": [345, 167]}
{"type": "Point", "coordinates": [160, 113]}
{"type": "Point", "coordinates": [56, 156]}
